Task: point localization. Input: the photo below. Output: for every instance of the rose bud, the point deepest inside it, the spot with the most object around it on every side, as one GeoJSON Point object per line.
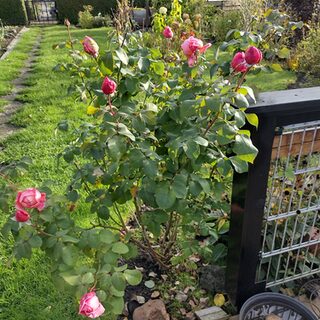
{"type": "Point", "coordinates": [108, 86]}
{"type": "Point", "coordinates": [239, 63]}
{"type": "Point", "coordinates": [67, 22]}
{"type": "Point", "coordinates": [31, 198]}
{"type": "Point", "coordinates": [90, 306]}
{"type": "Point", "coordinates": [191, 47]}
{"type": "Point", "coordinates": [167, 32]}
{"type": "Point", "coordinates": [90, 47]}
{"type": "Point", "coordinates": [22, 216]}
{"type": "Point", "coordinates": [253, 55]}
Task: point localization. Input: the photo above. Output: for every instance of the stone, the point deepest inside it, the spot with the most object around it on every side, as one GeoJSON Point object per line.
{"type": "Point", "coordinates": [141, 299]}
{"type": "Point", "coordinates": [213, 313]}
{"type": "Point", "coordinates": [152, 310]}
{"type": "Point", "coordinates": [212, 278]}
{"type": "Point", "coordinates": [181, 297]}
{"type": "Point", "coordinates": [155, 294]}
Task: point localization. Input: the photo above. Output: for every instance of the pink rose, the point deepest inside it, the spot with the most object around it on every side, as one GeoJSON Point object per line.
{"type": "Point", "coordinates": [22, 216]}
{"type": "Point", "coordinates": [31, 198]}
{"type": "Point", "coordinates": [108, 86]}
{"type": "Point", "coordinates": [167, 32]}
{"type": "Point", "coordinates": [253, 55]}
{"type": "Point", "coordinates": [90, 46]}
{"type": "Point", "coordinates": [239, 63]}
{"type": "Point", "coordinates": [191, 47]}
{"type": "Point", "coordinates": [90, 306]}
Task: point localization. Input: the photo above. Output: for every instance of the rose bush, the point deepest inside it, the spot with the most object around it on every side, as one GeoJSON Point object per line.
{"type": "Point", "coordinates": [164, 136]}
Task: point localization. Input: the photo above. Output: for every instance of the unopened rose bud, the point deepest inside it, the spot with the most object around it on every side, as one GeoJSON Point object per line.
{"type": "Point", "coordinates": [67, 22]}
{"type": "Point", "coordinates": [239, 63]}
{"type": "Point", "coordinates": [22, 215]}
{"type": "Point", "coordinates": [253, 55]}
{"type": "Point", "coordinates": [108, 86]}
{"type": "Point", "coordinates": [167, 32]}
{"type": "Point", "coordinates": [90, 46]}
{"type": "Point", "coordinates": [185, 16]}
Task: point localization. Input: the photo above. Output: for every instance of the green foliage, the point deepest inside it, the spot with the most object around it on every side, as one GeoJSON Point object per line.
{"type": "Point", "coordinates": [86, 19]}
{"type": "Point", "coordinates": [70, 9]}
{"type": "Point", "coordinates": [308, 54]}
{"type": "Point", "coordinates": [217, 23]}
{"type": "Point", "coordinates": [13, 12]}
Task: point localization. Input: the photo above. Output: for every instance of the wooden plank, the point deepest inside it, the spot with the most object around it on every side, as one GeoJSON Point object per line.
{"type": "Point", "coordinates": [300, 141]}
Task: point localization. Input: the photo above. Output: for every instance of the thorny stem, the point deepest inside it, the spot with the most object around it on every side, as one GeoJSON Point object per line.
{"type": "Point", "coordinates": [110, 105]}
{"type": "Point", "coordinates": [211, 123]}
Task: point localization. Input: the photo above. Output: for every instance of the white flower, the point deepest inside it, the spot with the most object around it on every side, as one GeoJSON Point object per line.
{"type": "Point", "coordinates": [163, 10]}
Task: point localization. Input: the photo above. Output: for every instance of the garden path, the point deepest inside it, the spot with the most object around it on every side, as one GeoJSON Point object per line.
{"type": "Point", "coordinates": [13, 105]}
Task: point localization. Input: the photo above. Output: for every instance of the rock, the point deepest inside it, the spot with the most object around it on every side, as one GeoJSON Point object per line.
{"type": "Point", "coordinates": [141, 299]}
{"type": "Point", "coordinates": [152, 310]}
{"type": "Point", "coordinates": [181, 297]}
{"type": "Point", "coordinates": [212, 278]}
{"type": "Point", "coordinates": [155, 294]}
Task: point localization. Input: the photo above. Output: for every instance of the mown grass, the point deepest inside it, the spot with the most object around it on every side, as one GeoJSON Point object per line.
{"type": "Point", "coordinates": [26, 289]}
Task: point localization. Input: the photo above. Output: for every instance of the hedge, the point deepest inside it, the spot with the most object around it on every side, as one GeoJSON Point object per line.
{"type": "Point", "coordinates": [13, 12]}
{"type": "Point", "coordinates": [70, 8]}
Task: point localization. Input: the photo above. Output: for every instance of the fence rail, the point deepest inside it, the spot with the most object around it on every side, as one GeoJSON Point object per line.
{"type": "Point", "coordinates": [275, 211]}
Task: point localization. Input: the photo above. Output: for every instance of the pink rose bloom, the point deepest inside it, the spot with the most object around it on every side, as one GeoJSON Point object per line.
{"type": "Point", "coordinates": [22, 216]}
{"type": "Point", "coordinates": [191, 47]}
{"type": "Point", "coordinates": [239, 63]}
{"type": "Point", "coordinates": [167, 32]}
{"type": "Point", "coordinates": [90, 46]}
{"type": "Point", "coordinates": [90, 306]}
{"type": "Point", "coordinates": [108, 86]}
{"type": "Point", "coordinates": [253, 55]}
{"type": "Point", "coordinates": [31, 198]}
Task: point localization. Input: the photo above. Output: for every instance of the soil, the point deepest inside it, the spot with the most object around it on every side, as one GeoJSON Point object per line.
{"type": "Point", "coordinates": [147, 266]}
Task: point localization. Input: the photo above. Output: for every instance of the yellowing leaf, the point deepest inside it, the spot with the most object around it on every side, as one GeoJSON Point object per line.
{"type": "Point", "coordinates": [219, 300]}
{"type": "Point", "coordinates": [92, 110]}
{"type": "Point", "coordinates": [276, 67]}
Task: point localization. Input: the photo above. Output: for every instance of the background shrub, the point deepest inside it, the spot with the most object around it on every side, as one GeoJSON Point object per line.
{"type": "Point", "coordinates": [86, 19]}
{"type": "Point", "coordinates": [13, 12]}
{"type": "Point", "coordinates": [70, 9]}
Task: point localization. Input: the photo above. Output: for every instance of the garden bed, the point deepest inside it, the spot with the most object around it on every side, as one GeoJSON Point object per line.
{"type": "Point", "coordinates": [6, 36]}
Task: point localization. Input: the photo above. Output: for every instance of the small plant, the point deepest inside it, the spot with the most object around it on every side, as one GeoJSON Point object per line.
{"type": "Point", "coordinates": [86, 19]}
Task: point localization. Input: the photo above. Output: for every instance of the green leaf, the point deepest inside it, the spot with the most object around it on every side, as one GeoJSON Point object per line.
{"type": "Point", "coordinates": [252, 119]}
{"type": "Point", "coordinates": [144, 64]}
{"type": "Point", "coordinates": [241, 101]}
{"type": "Point", "coordinates": [117, 304]}
{"type": "Point", "coordinates": [239, 165]}
{"type": "Point", "coordinates": [118, 281]}
{"type": "Point", "coordinates": [244, 148]}
{"type": "Point", "coordinates": [122, 55]}
{"type": "Point", "coordinates": [103, 212]}
{"type": "Point", "coordinates": [165, 196]}
{"type": "Point", "coordinates": [116, 147]}
{"type": "Point", "coordinates": [276, 67]}
{"type": "Point", "coordinates": [72, 280]}
{"type": "Point", "coordinates": [158, 68]}
{"type": "Point", "coordinates": [106, 236]}
{"type": "Point", "coordinates": [69, 255]}
{"type": "Point", "coordinates": [35, 241]}
{"type": "Point", "coordinates": [68, 239]}
{"type": "Point", "coordinates": [284, 53]}
{"type": "Point", "coordinates": [150, 284]}
{"type": "Point", "coordinates": [219, 251]}
{"type": "Point", "coordinates": [123, 130]}
{"type": "Point", "coordinates": [87, 278]}
{"type": "Point", "coordinates": [120, 248]}
{"type": "Point", "coordinates": [150, 168]}
{"type": "Point", "coordinates": [179, 185]}
{"type": "Point", "coordinates": [192, 149]}
{"type": "Point", "coordinates": [108, 62]}
{"type": "Point", "coordinates": [133, 277]}
{"type": "Point", "coordinates": [201, 141]}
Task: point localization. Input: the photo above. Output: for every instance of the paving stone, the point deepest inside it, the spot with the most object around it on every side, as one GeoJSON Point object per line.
{"type": "Point", "coordinates": [213, 313]}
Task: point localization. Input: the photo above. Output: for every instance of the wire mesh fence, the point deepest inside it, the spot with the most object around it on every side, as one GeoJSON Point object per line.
{"type": "Point", "coordinates": [274, 235]}
{"type": "Point", "coordinates": [291, 231]}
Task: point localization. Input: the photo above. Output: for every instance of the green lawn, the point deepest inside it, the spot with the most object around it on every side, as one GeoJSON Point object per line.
{"type": "Point", "coordinates": [26, 289]}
